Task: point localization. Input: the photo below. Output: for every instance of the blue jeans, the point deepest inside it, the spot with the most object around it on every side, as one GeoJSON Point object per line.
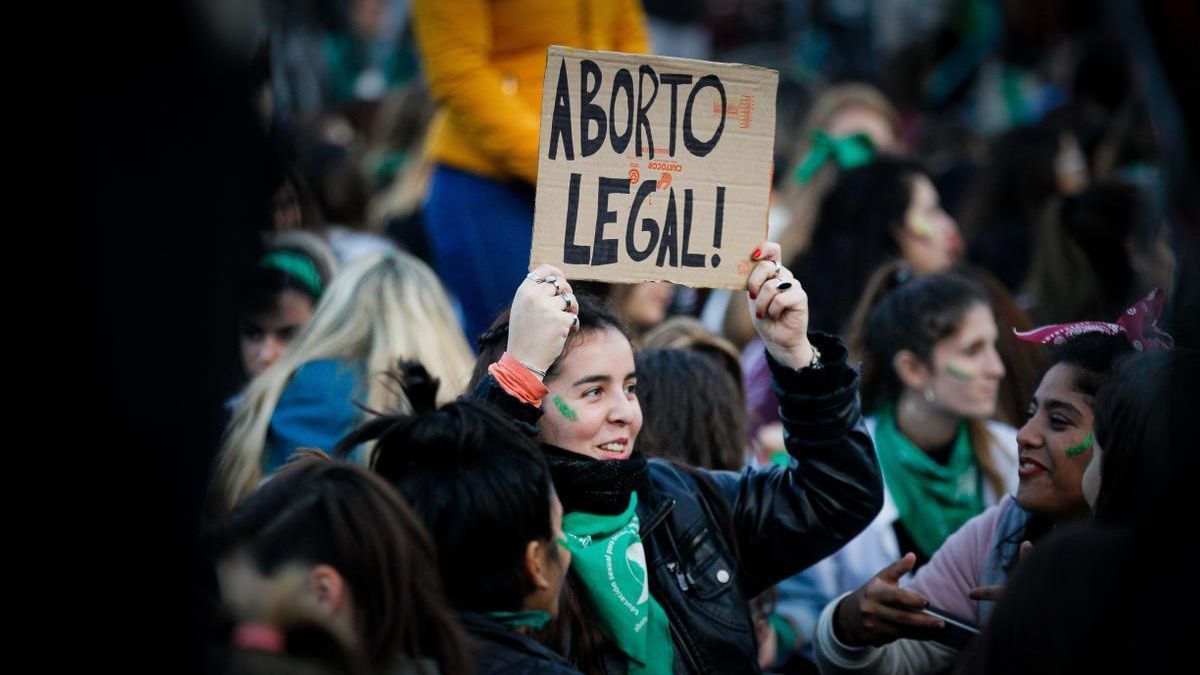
{"type": "Point", "coordinates": [480, 231]}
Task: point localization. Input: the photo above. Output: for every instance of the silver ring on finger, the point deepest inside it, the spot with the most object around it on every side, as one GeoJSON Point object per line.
{"type": "Point", "coordinates": [566, 302]}
{"type": "Point", "coordinates": [534, 278]}
{"type": "Point", "coordinates": [557, 284]}
{"type": "Point", "coordinates": [778, 267]}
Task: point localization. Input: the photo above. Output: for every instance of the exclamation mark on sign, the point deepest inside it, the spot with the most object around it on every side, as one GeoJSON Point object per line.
{"type": "Point", "coordinates": [718, 223]}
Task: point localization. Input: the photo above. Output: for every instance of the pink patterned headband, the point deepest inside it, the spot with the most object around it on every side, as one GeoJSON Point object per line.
{"type": "Point", "coordinates": [1139, 324]}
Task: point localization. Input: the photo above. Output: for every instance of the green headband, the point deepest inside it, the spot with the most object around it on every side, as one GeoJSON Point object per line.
{"type": "Point", "coordinates": [847, 152]}
{"type": "Point", "coordinates": [296, 265]}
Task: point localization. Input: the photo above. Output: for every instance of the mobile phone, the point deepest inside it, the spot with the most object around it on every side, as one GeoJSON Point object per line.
{"type": "Point", "coordinates": [958, 632]}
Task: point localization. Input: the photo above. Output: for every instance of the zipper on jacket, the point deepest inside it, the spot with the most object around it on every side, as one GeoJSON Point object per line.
{"type": "Point", "coordinates": [657, 519]}
{"type": "Point", "coordinates": [687, 655]}
{"type": "Point", "coordinates": [682, 576]}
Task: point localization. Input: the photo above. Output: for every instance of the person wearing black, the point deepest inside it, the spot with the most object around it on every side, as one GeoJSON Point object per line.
{"type": "Point", "coordinates": [666, 557]}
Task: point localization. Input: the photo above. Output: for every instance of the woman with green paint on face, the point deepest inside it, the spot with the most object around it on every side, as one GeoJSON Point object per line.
{"type": "Point", "coordinates": [666, 557]}
{"type": "Point", "coordinates": [931, 376]}
{"type": "Point", "coordinates": [930, 380]}
{"type": "Point", "coordinates": [1138, 543]}
{"type": "Point", "coordinates": [881, 626]}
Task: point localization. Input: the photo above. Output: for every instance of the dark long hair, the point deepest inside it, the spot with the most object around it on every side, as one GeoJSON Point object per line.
{"type": "Point", "coordinates": [1142, 472]}
{"type": "Point", "coordinates": [854, 234]}
{"type": "Point", "coordinates": [1081, 265]}
{"type": "Point", "coordinates": [480, 485]}
{"type": "Point", "coordinates": [692, 409]}
{"type": "Point", "coordinates": [319, 511]}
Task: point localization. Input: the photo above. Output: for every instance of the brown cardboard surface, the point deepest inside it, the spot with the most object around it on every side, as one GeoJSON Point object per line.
{"type": "Point", "coordinates": [680, 193]}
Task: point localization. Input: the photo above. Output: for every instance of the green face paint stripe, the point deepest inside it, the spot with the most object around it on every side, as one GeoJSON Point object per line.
{"type": "Point", "coordinates": [564, 409]}
{"type": "Point", "coordinates": [958, 374]}
{"type": "Point", "coordinates": [1083, 446]}
{"type": "Point", "coordinates": [922, 228]}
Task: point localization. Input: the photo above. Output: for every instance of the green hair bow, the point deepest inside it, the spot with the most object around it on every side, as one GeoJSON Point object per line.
{"type": "Point", "coordinates": [847, 152]}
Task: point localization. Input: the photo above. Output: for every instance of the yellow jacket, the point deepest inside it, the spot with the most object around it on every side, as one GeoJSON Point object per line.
{"type": "Point", "coordinates": [485, 61]}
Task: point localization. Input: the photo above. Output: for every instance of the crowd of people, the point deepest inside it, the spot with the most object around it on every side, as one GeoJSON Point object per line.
{"type": "Point", "coordinates": [940, 429]}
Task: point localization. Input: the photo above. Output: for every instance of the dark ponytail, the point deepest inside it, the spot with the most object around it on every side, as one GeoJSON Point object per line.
{"type": "Point", "coordinates": [478, 482]}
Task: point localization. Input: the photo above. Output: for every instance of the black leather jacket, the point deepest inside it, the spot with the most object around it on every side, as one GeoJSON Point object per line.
{"type": "Point", "coordinates": [781, 520]}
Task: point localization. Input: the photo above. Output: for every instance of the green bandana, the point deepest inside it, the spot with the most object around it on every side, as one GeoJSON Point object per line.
{"type": "Point", "coordinates": [847, 151]}
{"type": "Point", "coordinates": [609, 559]}
{"type": "Point", "coordinates": [934, 500]}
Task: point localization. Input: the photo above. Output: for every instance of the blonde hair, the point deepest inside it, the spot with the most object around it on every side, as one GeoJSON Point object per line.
{"type": "Point", "coordinates": [848, 95]}
{"type": "Point", "coordinates": [379, 309]}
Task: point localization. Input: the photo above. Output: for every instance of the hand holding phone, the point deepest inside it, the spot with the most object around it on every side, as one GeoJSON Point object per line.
{"type": "Point", "coordinates": [958, 632]}
{"type": "Point", "coordinates": [881, 611]}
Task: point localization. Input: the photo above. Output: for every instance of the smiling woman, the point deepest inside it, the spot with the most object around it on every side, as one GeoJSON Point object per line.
{"type": "Point", "coordinates": [1056, 442]}
{"type": "Point", "coordinates": [594, 392]}
{"type": "Point", "coordinates": [669, 555]}
{"type": "Point", "coordinates": [882, 623]}
{"type": "Point", "coordinates": [930, 381]}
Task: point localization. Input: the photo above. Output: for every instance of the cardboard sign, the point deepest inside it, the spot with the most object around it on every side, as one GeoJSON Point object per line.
{"type": "Point", "coordinates": [653, 168]}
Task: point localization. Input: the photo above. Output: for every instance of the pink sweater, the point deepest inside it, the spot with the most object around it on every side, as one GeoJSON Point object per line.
{"type": "Point", "coordinates": [955, 568]}
{"type": "Point", "coordinates": [945, 581]}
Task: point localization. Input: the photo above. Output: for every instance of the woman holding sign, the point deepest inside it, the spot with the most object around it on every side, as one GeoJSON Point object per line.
{"type": "Point", "coordinates": [666, 557]}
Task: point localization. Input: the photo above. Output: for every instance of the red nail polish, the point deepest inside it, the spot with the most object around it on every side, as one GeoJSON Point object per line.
{"type": "Point", "coordinates": [758, 315]}
{"type": "Point", "coordinates": [753, 296]}
{"type": "Point", "coordinates": [757, 254]}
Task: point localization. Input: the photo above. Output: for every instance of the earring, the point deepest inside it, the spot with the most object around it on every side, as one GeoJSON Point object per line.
{"type": "Point", "coordinates": [929, 398]}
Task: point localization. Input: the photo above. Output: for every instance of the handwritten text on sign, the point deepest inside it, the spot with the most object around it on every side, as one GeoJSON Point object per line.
{"type": "Point", "coordinates": [653, 168]}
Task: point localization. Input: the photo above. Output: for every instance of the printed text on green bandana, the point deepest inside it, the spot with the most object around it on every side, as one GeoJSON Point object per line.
{"type": "Point", "coordinates": [609, 558]}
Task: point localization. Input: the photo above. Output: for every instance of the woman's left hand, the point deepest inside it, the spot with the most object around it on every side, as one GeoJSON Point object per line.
{"type": "Point", "coordinates": [780, 308]}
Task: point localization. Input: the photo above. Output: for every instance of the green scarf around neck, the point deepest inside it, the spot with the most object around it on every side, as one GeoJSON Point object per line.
{"type": "Point", "coordinates": [934, 499]}
{"type": "Point", "coordinates": [608, 556]}
{"type": "Point", "coordinates": [535, 619]}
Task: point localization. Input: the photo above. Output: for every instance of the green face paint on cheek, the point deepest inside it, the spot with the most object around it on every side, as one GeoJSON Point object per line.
{"type": "Point", "coordinates": [1083, 446]}
{"type": "Point", "coordinates": [959, 374]}
{"type": "Point", "coordinates": [564, 409]}
{"type": "Point", "coordinates": [922, 228]}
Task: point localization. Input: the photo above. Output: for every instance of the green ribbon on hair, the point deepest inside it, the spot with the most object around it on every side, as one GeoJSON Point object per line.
{"type": "Point", "coordinates": [296, 265]}
{"type": "Point", "coordinates": [847, 152]}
